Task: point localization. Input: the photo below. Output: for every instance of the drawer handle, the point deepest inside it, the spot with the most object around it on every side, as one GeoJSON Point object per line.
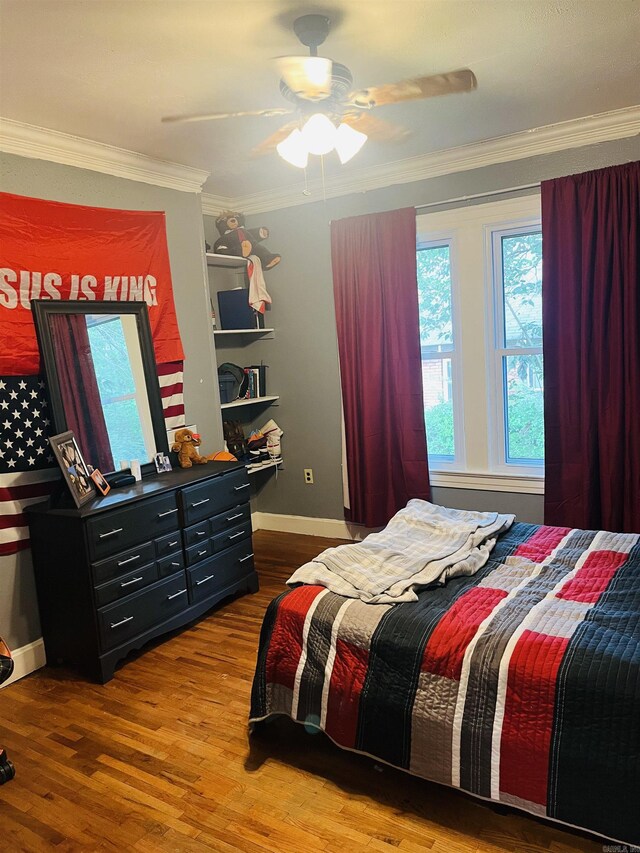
{"type": "Point", "coordinates": [172, 544]}
{"type": "Point", "coordinates": [202, 553]}
{"type": "Point", "coordinates": [121, 622]}
{"type": "Point", "coordinates": [201, 532]}
{"type": "Point", "coordinates": [176, 564]}
{"type": "Point", "coordinates": [203, 501]}
{"type": "Point", "coordinates": [111, 533]}
{"type": "Point", "coordinates": [235, 535]}
{"type": "Point", "coordinates": [237, 515]}
{"type": "Point", "coordinates": [168, 512]}
{"type": "Point", "coordinates": [176, 594]}
{"type": "Point", "coordinates": [204, 580]}
{"type": "Point", "coordinates": [248, 557]}
{"type": "Point", "coordinates": [134, 580]}
{"type": "Point", "coordinates": [128, 560]}
{"type": "Point", "coordinates": [243, 486]}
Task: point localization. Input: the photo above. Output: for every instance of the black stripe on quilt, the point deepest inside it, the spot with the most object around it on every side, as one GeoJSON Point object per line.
{"type": "Point", "coordinates": [594, 775]}
{"type": "Point", "coordinates": [317, 646]}
{"type": "Point", "coordinates": [397, 649]}
{"type": "Point", "coordinates": [484, 669]}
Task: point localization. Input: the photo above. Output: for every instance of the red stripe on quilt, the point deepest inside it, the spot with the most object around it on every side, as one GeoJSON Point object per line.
{"type": "Point", "coordinates": [285, 646]}
{"type": "Point", "coordinates": [444, 653]}
{"type": "Point", "coordinates": [539, 546]}
{"type": "Point", "coordinates": [528, 716]}
{"type": "Point", "coordinates": [593, 577]}
{"type": "Point", "coordinates": [347, 680]}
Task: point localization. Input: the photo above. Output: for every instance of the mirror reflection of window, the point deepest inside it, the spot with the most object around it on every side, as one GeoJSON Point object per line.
{"type": "Point", "coordinates": [117, 359]}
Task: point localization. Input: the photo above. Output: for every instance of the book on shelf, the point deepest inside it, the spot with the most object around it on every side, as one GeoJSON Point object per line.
{"type": "Point", "coordinates": [256, 386]}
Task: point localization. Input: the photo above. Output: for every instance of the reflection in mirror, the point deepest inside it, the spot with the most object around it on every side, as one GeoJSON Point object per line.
{"type": "Point", "coordinates": [102, 379]}
{"type": "Point", "coordinates": [102, 385]}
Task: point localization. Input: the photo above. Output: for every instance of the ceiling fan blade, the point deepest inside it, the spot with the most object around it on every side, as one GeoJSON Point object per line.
{"type": "Point", "coordinates": [375, 128]}
{"type": "Point", "coordinates": [463, 80]}
{"type": "Point", "coordinates": [308, 77]}
{"type": "Point", "coordinates": [276, 111]}
{"type": "Point", "coordinates": [268, 145]}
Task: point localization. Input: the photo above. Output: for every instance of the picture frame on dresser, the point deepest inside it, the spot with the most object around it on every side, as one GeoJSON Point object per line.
{"type": "Point", "coordinates": [74, 469]}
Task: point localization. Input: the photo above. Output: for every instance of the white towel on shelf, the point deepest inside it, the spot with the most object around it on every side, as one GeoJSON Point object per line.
{"type": "Point", "coordinates": [258, 295]}
{"type": "Point", "coordinates": [422, 545]}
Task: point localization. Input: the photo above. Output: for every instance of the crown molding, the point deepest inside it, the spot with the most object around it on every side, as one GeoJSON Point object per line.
{"type": "Point", "coordinates": [27, 140]}
{"type": "Point", "coordinates": [576, 133]}
{"type": "Point", "coordinates": [212, 205]}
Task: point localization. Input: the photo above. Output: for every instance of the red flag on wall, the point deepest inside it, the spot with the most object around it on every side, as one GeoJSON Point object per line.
{"type": "Point", "coordinates": [50, 250]}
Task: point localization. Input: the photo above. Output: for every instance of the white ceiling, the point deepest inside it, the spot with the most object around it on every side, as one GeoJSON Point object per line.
{"type": "Point", "coordinates": [107, 70]}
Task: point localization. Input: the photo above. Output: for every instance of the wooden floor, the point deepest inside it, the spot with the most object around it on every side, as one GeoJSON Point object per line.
{"type": "Point", "coordinates": [159, 759]}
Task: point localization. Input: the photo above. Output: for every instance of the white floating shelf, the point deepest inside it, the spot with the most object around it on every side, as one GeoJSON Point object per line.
{"type": "Point", "coordinates": [214, 260]}
{"type": "Point", "coordinates": [248, 402]}
{"type": "Point", "coordinates": [242, 331]}
{"type": "Point", "coordinates": [264, 467]}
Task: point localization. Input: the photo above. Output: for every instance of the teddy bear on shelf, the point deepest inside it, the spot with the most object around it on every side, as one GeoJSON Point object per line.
{"type": "Point", "coordinates": [185, 442]}
{"type": "Point", "coordinates": [237, 240]}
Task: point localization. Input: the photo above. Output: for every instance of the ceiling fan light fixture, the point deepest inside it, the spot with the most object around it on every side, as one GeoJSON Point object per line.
{"type": "Point", "coordinates": [293, 149]}
{"type": "Point", "coordinates": [319, 134]}
{"type": "Point", "coordinates": [348, 142]}
{"type": "Point", "coordinates": [308, 77]}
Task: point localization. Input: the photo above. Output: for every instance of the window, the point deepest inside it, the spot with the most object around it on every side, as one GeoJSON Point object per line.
{"type": "Point", "coordinates": [480, 302]}
{"type": "Point", "coordinates": [517, 274]}
{"type": "Point", "coordinates": [437, 349]}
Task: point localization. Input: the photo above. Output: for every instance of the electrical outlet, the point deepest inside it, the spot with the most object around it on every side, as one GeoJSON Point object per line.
{"type": "Point", "coordinates": [308, 475]}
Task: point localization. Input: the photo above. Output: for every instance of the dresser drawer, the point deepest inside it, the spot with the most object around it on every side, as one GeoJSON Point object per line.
{"type": "Point", "coordinates": [123, 563]}
{"type": "Point", "coordinates": [126, 584]}
{"type": "Point", "coordinates": [196, 534]}
{"type": "Point", "coordinates": [114, 531]}
{"type": "Point", "coordinates": [170, 565]}
{"type": "Point", "coordinates": [212, 496]}
{"type": "Point", "coordinates": [231, 537]}
{"type": "Point", "coordinates": [141, 611]}
{"type": "Point", "coordinates": [198, 552]}
{"type": "Point", "coordinates": [230, 518]}
{"type": "Point", "coordinates": [220, 571]}
{"type": "Point", "coordinates": [168, 544]}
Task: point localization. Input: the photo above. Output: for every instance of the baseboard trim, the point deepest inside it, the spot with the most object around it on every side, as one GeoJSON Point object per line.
{"type": "Point", "coordinates": [334, 528]}
{"type": "Point", "coordinates": [27, 659]}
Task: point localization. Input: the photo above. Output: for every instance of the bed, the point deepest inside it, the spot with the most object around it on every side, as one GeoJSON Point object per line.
{"type": "Point", "coordinates": [519, 684]}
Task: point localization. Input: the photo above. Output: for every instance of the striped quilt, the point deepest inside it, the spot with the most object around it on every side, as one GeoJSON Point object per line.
{"type": "Point", "coordinates": [520, 684]}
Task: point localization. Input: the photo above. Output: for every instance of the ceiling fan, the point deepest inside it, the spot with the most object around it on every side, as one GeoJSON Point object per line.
{"type": "Point", "coordinates": [328, 112]}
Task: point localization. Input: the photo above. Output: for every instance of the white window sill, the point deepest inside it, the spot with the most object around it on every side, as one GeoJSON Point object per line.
{"type": "Point", "coordinates": [487, 482]}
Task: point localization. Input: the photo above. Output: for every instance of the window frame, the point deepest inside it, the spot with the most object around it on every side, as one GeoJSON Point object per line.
{"type": "Point", "coordinates": [498, 350]}
{"type": "Point", "coordinates": [468, 230]}
{"type": "Point", "coordinates": [444, 463]}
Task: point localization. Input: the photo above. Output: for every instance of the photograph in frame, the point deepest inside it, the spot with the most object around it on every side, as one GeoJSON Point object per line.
{"type": "Point", "coordinates": [74, 469]}
{"type": "Point", "coordinates": [101, 483]}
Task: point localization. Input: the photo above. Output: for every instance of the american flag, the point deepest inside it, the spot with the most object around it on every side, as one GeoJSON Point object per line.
{"type": "Point", "coordinates": [28, 470]}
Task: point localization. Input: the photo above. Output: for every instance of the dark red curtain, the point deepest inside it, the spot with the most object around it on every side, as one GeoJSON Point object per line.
{"type": "Point", "coordinates": [591, 319]}
{"type": "Point", "coordinates": [376, 301]}
{"type": "Point", "coordinates": [79, 389]}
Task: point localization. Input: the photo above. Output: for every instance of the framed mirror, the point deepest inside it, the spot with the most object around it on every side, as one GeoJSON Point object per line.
{"type": "Point", "coordinates": [100, 370]}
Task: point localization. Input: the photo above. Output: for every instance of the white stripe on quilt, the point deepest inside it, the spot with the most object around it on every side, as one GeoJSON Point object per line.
{"type": "Point", "coordinates": [330, 660]}
{"type": "Point", "coordinates": [303, 654]}
{"type": "Point", "coordinates": [503, 672]}
{"type": "Point", "coordinates": [468, 655]}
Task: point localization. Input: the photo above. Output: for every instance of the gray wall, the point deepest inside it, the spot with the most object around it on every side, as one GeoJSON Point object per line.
{"type": "Point", "coordinates": [19, 622]}
{"type": "Point", "coordinates": [303, 357]}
